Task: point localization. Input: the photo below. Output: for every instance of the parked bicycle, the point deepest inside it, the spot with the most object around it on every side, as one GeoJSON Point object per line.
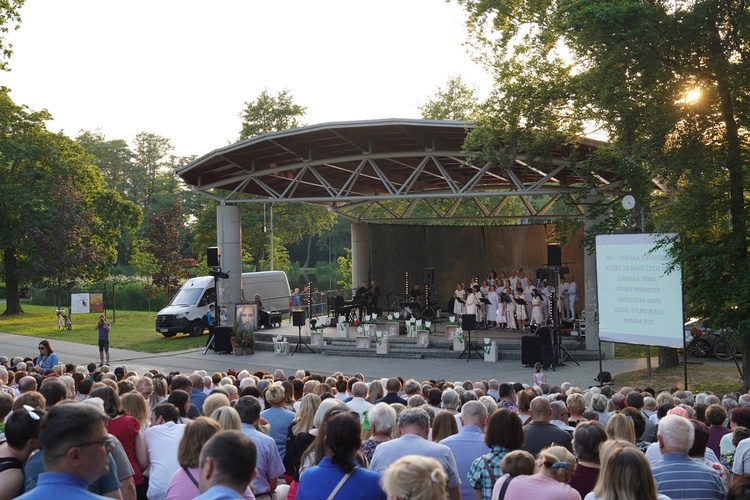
{"type": "Point", "coordinates": [707, 343]}
{"type": "Point", "coordinates": [63, 320]}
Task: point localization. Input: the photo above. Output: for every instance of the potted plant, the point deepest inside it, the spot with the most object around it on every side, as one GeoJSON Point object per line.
{"type": "Point", "coordinates": [244, 343]}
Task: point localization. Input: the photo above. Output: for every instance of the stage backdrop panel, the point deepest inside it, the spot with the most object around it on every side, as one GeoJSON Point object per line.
{"type": "Point", "coordinates": [639, 301]}
{"type": "Point", "coordinates": [457, 253]}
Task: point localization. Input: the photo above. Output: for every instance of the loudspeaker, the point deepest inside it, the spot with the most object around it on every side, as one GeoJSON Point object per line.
{"type": "Point", "coordinates": [468, 321]}
{"type": "Point", "coordinates": [213, 259]}
{"type": "Point", "coordinates": [222, 343]}
{"type": "Point", "coordinates": [298, 318]}
{"type": "Point", "coordinates": [429, 275]}
{"type": "Point", "coordinates": [531, 350]}
{"type": "Point", "coordinates": [554, 256]}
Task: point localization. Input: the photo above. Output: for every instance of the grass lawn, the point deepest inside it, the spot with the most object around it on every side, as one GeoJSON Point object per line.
{"type": "Point", "coordinates": [720, 380]}
{"type": "Point", "coordinates": [130, 330]}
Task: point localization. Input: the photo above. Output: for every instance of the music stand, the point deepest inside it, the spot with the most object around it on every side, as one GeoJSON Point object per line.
{"type": "Point", "coordinates": [298, 320]}
{"type": "Point", "coordinates": [469, 323]}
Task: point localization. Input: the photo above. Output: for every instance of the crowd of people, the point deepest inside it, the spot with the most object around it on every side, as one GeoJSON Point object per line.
{"type": "Point", "coordinates": [88, 432]}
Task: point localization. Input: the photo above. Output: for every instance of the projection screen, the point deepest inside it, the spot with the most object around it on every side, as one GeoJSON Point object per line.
{"type": "Point", "coordinates": [639, 303]}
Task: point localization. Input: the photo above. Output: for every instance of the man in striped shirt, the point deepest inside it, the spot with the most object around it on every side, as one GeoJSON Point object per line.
{"type": "Point", "coordinates": [676, 474]}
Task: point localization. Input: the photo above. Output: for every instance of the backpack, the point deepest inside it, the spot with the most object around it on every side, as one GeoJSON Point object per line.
{"type": "Point", "coordinates": [204, 321]}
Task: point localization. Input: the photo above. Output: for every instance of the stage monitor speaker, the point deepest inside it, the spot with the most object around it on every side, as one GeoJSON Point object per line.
{"type": "Point", "coordinates": [429, 276]}
{"type": "Point", "coordinates": [554, 256]}
{"type": "Point", "coordinates": [213, 259]}
{"type": "Point", "coordinates": [298, 318]}
{"type": "Point", "coordinates": [469, 322]}
{"type": "Point", "coordinates": [222, 343]}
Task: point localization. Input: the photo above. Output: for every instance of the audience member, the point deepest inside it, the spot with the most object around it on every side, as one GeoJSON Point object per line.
{"type": "Point", "coordinates": [227, 465]}
{"type": "Point", "coordinates": [416, 478]}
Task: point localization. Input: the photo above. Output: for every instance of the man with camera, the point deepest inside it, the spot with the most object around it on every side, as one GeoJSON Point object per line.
{"type": "Point", "coordinates": [103, 328]}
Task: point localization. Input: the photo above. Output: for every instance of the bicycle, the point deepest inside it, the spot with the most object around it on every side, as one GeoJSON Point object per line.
{"type": "Point", "coordinates": [63, 320]}
{"type": "Point", "coordinates": [705, 344]}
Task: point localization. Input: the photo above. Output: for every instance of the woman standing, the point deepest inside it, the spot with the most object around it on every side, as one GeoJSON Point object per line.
{"type": "Point", "coordinates": [492, 308]}
{"type": "Point", "coordinates": [520, 308]}
{"type": "Point", "coordinates": [47, 358]}
{"type": "Point", "coordinates": [128, 430]}
{"type": "Point", "coordinates": [459, 302]}
{"type": "Point", "coordinates": [338, 472]}
{"type": "Point", "coordinates": [537, 316]}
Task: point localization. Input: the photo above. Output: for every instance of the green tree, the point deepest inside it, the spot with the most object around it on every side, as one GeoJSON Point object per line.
{"type": "Point", "coordinates": [269, 113]}
{"type": "Point", "coordinates": [632, 70]}
{"type": "Point", "coordinates": [165, 245]}
{"type": "Point", "coordinates": [457, 101]}
{"type": "Point", "coordinates": [10, 18]}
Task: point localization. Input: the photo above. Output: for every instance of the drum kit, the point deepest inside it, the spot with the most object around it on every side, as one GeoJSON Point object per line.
{"type": "Point", "coordinates": [408, 307]}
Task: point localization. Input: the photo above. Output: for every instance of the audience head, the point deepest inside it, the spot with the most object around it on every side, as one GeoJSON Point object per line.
{"type": "Point", "coordinates": [517, 463]}
{"type": "Point", "coordinates": [620, 426]}
{"type": "Point", "coordinates": [342, 438]}
{"type": "Point", "coordinates": [625, 472]}
{"type": "Point", "coordinates": [557, 462]}
{"type": "Point", "coordinates": [504, 428]}
{"type": "Point", "coordinates": [249, 409]}
{"type": "Point", "coordinates": [382, 419]}
{"type": "Point", "coordinates": [416, 478]}
{"type": "Point", "coordinates": [586, 440]}
{"type": "Point", "coordinates": [444, 425]}
{"type": "Point", "coordinates": [75, 441]}
{"type": "Point", "coordinates": [227, 459]}
{"type": "Point", "coordinates": [414, 421]}
{"type": "Point", "coordinates": [227, 418]}
{"type": "Point", "coordinates": [197, 433]}
{"type": "Point", "coordinates": [675, 434]}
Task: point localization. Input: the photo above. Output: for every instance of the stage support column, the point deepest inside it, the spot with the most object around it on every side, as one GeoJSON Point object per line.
{"type": "Point", "coordinates": [360, 254]}
{"type": "Point", "coordinates": [229, 241]}
{"type": "Point", "coordinates": [592, 297]}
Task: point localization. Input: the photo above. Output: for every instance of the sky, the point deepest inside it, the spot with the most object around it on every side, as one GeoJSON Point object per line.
{"type": "Point", "coordinates": [183, 69]}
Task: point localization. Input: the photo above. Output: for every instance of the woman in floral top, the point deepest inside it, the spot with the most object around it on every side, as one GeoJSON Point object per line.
{"type": "Point", "coordinates": [504, 434]}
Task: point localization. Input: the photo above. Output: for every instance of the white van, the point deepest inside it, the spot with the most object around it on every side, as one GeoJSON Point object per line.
{"type": "Point", "coordinates": [190, 304]}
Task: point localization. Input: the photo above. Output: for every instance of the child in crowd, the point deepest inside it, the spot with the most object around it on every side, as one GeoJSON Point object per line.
{"type": "Point", "coordinates": [539, 377]}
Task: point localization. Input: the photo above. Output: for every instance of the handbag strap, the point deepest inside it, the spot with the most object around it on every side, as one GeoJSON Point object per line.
{"type": "Point", "coordinates": [501, 495]}
{"type": "Point", "coordinates": [489, 471]}
{"type": "Point", "coordinates": [195, 482]}
{"type": "Point", "coordinates": [341, 483]}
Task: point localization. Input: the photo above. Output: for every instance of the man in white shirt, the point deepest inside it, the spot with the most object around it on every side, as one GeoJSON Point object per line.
{"type": "Point", "coordinates": [564, 300]}
{"type": "Point", "coordinates": [162, 440]}
{"type": "Point", "coordinates": [358, 402]}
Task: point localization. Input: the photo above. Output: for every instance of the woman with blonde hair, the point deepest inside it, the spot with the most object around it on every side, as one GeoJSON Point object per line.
{"type": "Point", "coordinates": [443, 426]}
{"type": "Point", "coordinates": [554, 469]}
{"type": "Point", "coordinates": [415, 477]}
{"type": "Point", "coordinates": [227, 418]}
{"type": "Point", "coordinates": [158, 394]}
{"type": "Point", "coordinates": [620, 426]}
{"type": "Point", "coordinates": [135, 406]}
{"type": "Point", "coordinates": [625, 474]}
{"type": "Point", "coordinates": [184, 482]}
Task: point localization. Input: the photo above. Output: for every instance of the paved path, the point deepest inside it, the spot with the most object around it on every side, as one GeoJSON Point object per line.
{"type": "Point", "coordinates": [419, 369]}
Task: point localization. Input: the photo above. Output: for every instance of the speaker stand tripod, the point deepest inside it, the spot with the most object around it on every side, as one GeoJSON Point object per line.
{"type": "Point", "coordinates": [301, 342]}
{"type": "Point", "coordinates": [210, 344]}
{"type": "Point", "coordinates": [470, 349]}
{"type": "Point", "coordinates": [561, 351]}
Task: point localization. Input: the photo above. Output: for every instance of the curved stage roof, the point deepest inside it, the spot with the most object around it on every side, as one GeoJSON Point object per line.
{"type": "Point", "coordinates": [393, 170]}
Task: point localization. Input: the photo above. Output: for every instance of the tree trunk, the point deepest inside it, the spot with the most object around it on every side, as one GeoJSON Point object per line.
{"type": "Point", "coordinates": [668, 357]}
{"type": "Point", "coordinates": [12, 300]}
{"type": "Point", "coordinates": [309, 250]}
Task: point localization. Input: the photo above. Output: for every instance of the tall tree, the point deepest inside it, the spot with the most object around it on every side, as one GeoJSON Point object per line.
{"type": "Point", "coordinates": [149, 163]}
{"type": "Point", "coordinates": [269, 113]}
{"type": "Point", "coordinates": [634, 69]}
{"type": "Point", "coordinates": [10, 18]}
{"type": "Point", "coordinates": [456, 101]}
{"type": "Point", "coordinates": [165, 245]}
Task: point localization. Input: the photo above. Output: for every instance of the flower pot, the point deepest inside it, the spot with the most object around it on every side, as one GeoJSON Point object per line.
{"type": "Point", "coordinates": [364, 342]}
{"type": "Point", "coordinates": [450, 331]}
{"type": "Point", "coordinates": [458, 345]}
{"type": "Point", "coordinates": [392, 328]}
{"type": "Point", "coordinates": [490, 357]}
{"type": "Point", "coordinates": [342, 330]}
{"type": "Point", "coordinates": [238, 351]}
{"type": "Point", "coordinates": [423, 338]}
{"type": "Point", "coordinates": [383, 347]}
{"type": "Point", "coordinates": [316, 339]}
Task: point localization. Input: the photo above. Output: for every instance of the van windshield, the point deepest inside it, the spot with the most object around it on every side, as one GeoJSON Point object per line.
{"type": "Point", "coordinates": [186, 297]}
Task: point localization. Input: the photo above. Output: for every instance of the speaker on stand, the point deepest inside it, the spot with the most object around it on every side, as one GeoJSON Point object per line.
{"type": "Point", "coordinates": [298, 320]}
{"type": "Point", "coordinates": [213, 257]}
{"type": "Point", "coordinates": [469, 323]}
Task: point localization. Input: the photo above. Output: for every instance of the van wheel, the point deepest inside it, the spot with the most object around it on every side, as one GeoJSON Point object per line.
{"type": "Point", "coordinates": [168, 335]}
{"type": "Point", "coordinates": [196, 329]}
